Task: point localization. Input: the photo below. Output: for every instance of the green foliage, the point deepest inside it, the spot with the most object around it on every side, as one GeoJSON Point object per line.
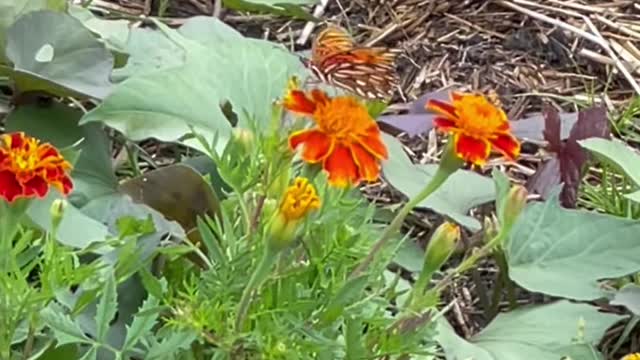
{"type": "Point", "coordinates": [154, 264]}
{"type": "Point", "coordinates": [545, 332]}
{"type": "Point", "coordinates": [141, 108]}
{"type": "Point", "coordinates": [462, 191]}
{"type": "Point", "coordinates": [51, 61]}
{"type": "Point", "coordinates": [549, 247]}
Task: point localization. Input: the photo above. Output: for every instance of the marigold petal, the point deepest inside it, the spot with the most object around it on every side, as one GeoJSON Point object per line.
{"type": "Point", "coordinates": [319, 96]}
{"type": "Point", "coordinates": [443, 124]}
{"type": "Point", "coordinates": [442, 108]}
{"type": "Point", "coordinates": [317, 145]}
{"type": "Point", "coordinates": [36, 186]}
{"type": "Point", "coordinates": [9, 186]}
{"type": "Point", "coordinates": [506, 144]}
{"type": "Point", "coordinates": [475, 151]}
{"type": "Point", "coordinates": [372, 142]}
{"type": "Point", "coordinates": [368, 166]}
{"type": "Point", "coordinates": [341, 167]}
{"type": "Point", "coordinates": [298, 102]}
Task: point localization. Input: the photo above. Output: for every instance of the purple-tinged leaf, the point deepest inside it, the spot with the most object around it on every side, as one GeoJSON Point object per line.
{"type": "Point", "coordinates": [569, 158]}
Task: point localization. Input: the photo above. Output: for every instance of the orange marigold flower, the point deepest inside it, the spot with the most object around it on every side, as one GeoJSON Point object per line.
{"type": "Point", "coordinates": [477, 126]}
{"type": "Point", "coordinates": [28, 168]}
{"type": "Point", "coordinates": [346, 140]}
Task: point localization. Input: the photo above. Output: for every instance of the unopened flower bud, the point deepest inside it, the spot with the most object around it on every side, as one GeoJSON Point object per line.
{"type": "Point", "coordinates": [297, 202]}
{"type": "Point", "coordinates": [245, 138]}
{"type": "Point", "coordinates": [441, 246]}
{"type": "Point", "coordinates": [57, 211]}
{"type": "Point", "coordinates": [514, 204]}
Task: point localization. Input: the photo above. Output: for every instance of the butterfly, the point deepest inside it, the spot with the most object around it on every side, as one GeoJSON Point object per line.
{"type": "Point", "coordinates": [366, 71]}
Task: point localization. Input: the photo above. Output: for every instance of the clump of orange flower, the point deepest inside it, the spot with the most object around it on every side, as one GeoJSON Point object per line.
{"type": "Point", "coordinates": [477, 125]}
{"type": "Point", "coordinates": [346, 140]}
{"type": "Point", "coordinates": [28, 168]}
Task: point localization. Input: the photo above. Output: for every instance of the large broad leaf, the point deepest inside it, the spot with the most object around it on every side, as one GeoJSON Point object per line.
{"type": "Point", "coordinates": [461, 192]}
{"type": "Point", "coordinates": [619, 155]}
{"type": "Point", "coordinates": [550, 247]}
{"type": "Point", "coordinates": [10, 10]}
{"type": "Point", "coordinates": [55, 53]}
{"type": "Point", "coordinates": [113, 33]}
{"type": "Point", "coordinates": [629, 297]}
{"type": "Point", "coordinates": [249, 74]}
{"type": "Point", "coordinates": [279, 7]}
{"type": "Point", "coordinates": [545, 332]}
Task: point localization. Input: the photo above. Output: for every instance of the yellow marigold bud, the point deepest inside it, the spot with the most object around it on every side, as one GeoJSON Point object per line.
{"type": "Point", "coordinates": [440, 247]}
{"type": "Point", "coordinates": [515, 203]}
{"type": "Point", "coordinates": [298, 201]}
{"type": "Point", "coordinates": [634, 356]}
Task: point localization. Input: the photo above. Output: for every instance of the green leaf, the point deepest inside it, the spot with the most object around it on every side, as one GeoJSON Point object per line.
{"type": "Point", "coordinates": [107, 308]}
{"type": "Point", "coordinates": [349, 292]}
{"type": "Point", "coordinates": [544, 332]}
{"type": "Point", "coordinates": [629, 297]}
{"type": "Point", "coordinates": [279, 7]}
{"type": "Point", "coordinates": [73, 219]}
{"type": "Point", "coordinates": [142, 323]}
{"type": "Point", "coordinates": [68, 351]}
{"type": "Point", "coordinates": [64, 328]}
{"type": "Point", "coordinates": [619, 155]}
{"type": "Point", "coordinates": [91, 354]}
{"type": "Point", "coordinates": [549, 248]}
{"type": "Point", "coordinates": [410, 256]}
{"type": "Point", "coordinates": [248, 73]}
{"type": "Point", "coordinates": [149, 51]}
{"type": "Point", "coordinates": [113, 33]}
{"type": "Point", "coordinates": [10, 10]}
{"type": "Point", "coordinates": [175, 341]}
{"type": "Point", "coordinates": [461, 192]}
{"type": "Point", "coordinates": [55, 53]}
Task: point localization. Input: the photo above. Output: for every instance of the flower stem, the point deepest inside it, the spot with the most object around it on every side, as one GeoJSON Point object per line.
{"type": "Point", "coordinates": [450, 164]}
{"type": "Point", "coordinates": [259, 275]}
{"type": "Point", "coordinates": [10, 216]}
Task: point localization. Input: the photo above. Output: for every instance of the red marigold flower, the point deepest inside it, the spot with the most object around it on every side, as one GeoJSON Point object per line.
{"type": "Point", "coordinates": [346, 140]}
{"type": "Point", "coordinates": [477, 125]}
{"type": "Point", "coordinates": [28, 168]}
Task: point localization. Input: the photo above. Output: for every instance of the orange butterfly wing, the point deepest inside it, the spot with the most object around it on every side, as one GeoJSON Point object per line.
{"type": "Point", "coordinates": [369, 72]}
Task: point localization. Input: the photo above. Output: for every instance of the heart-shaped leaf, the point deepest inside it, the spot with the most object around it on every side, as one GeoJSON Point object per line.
{"type": "Point", "coordinates": [544, 332]}
{"type": "Point", "coordinates": [168, 104]}
{"type": "Point", "coordinates": [550, 246]}
{"type": "Point", "coordinates": [55, 53]}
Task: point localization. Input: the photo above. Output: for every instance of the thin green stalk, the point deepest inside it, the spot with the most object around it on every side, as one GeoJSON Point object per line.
{"type": "Point", "coordinates": [508, 284]}
{"type": "Point", "coordinates": [259, 275]}
{"type": "Point", "coordinates": [450, 163]}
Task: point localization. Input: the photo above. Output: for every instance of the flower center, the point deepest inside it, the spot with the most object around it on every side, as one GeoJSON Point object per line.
{"type": "Point", "coordinates": [478, 117]}
{"type": "Point", "coordinates": [342, 117]}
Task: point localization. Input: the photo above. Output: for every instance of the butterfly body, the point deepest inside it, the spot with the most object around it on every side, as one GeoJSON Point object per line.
{"type": "Point", "coordinates": [366, 71]}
